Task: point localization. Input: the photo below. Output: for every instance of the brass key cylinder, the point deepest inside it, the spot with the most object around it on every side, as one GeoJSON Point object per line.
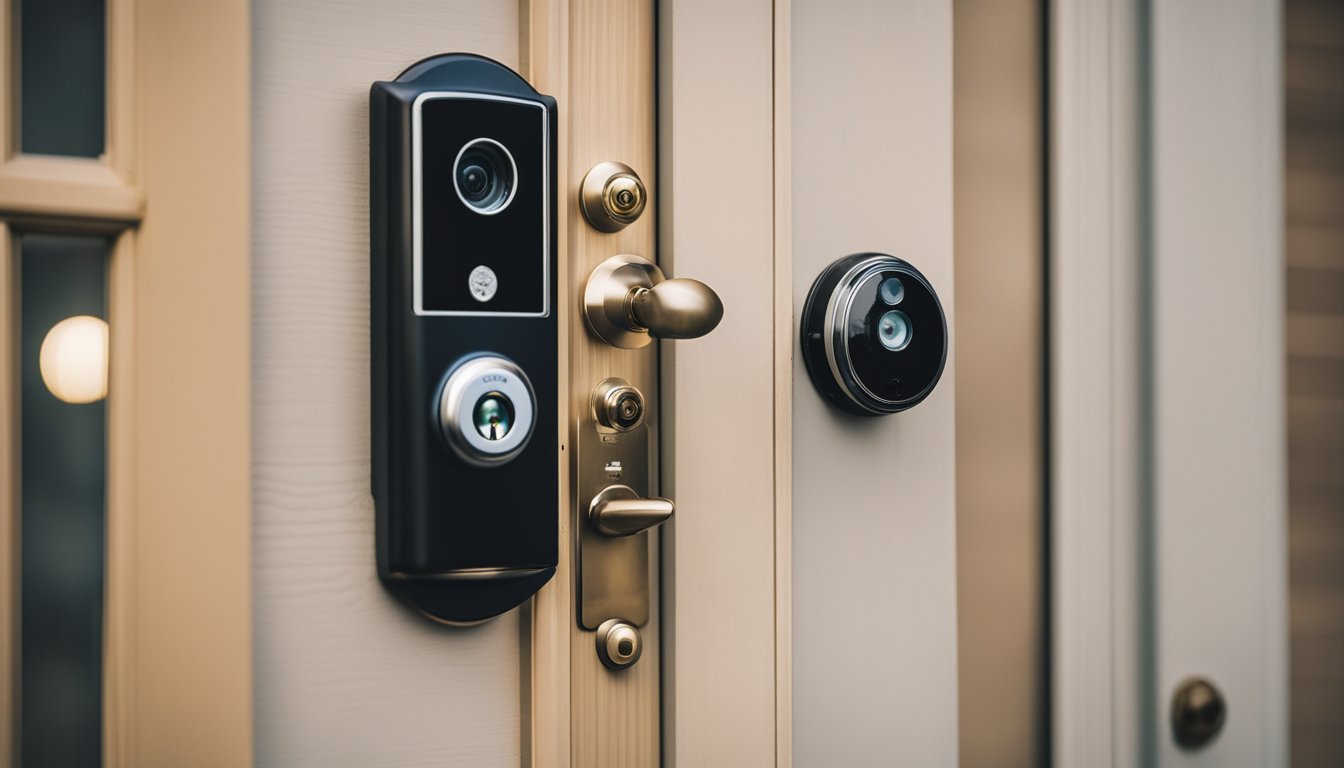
{"type": "Point", "coordinates": [612, 196]}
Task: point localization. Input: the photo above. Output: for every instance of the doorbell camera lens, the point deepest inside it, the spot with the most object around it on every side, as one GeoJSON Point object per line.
{"type": "Point", "coordinates": [893, 329]}
{"type": "Point", "coordinates": [864, 355]}
{"type": "Point", "coordinates": [474, 180]}
{"type": "Point", "coordinates": [892, 290]}
{"type": "Point", "coordinates": [493, 415]}
{"type": "Point", "coordinates": [485, 176]}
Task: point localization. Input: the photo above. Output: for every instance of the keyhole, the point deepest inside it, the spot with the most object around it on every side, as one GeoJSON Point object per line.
{"type": "Point", "coordinates": [493, 415]}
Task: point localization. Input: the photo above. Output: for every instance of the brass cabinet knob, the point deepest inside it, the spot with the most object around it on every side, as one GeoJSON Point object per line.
{"type": "Point", "coordinates": [618, 511]}
{"type": "Point", "coordinates": [628, 302]}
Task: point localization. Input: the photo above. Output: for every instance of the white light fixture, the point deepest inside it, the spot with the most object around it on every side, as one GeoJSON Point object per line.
{"type": "Point", "coordinates": [73, 359]}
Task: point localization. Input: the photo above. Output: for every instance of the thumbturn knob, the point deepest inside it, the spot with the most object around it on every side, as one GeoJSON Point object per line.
{"type": "Point", "coordinates": [628, 302]}
{"type": "Point", "coordinates": [618, 511]}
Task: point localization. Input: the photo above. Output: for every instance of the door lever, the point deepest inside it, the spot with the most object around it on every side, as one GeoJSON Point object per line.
{"type": "Point", "coordinates": [628, 302]}
{"type": "Point", "coordinates": [618, 511]}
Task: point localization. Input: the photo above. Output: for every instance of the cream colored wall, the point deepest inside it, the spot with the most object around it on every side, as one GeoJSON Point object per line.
{"type": "Point", "coordinates": [344, 675]}
{"type": "Point", "coordinates": [874, 500]}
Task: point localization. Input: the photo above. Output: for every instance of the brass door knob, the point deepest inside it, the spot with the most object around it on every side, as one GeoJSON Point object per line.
{"type": "Point", "coordinates": [1198, 712]}
{"type": "Point", "coordinates": [619, 511]}
{"type": "Point", "coordinates": [680, 308]}
{"type": "Point", "coordinates": [628, 302]}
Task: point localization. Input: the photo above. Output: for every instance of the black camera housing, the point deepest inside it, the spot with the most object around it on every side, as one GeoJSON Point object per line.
{"type": "Point", "coordinates": [873, 335]}
{"type": "Point", "coordinates": [460, 277]}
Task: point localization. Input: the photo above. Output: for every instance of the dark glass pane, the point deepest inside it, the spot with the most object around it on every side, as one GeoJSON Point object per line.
{"type": "Point", "coordinates": [62, 528]}
{"type": "Point", "coordinates": [62, 80]}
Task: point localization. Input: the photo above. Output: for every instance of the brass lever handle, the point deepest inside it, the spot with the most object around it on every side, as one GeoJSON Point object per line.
{"type": "Point", "coordinates": [628, 302]}
{"type": "Point", "coordinates": [679, 308]}
{"type": "Point", "coordinates": [618, 511]}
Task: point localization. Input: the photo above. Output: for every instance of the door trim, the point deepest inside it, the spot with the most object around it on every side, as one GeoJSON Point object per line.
{"type": "Point", "coordinates": [724, 160]}
{"type": "Point", "coordinates": [1095, 360]}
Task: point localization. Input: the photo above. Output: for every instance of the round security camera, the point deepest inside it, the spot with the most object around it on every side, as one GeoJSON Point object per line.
{"type": "Point", "coordinates": [874, 336]}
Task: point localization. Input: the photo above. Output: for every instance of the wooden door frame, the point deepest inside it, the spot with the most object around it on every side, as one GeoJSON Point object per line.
{"type": "Point", "coordinates": [171, 194]}
{"type": "Point", "coordinates": [726, 707]}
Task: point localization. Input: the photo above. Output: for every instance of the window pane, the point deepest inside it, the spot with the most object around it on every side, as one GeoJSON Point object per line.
{"type": "Point", "coordinates": [62, 500]}
{"type": "Point", "coordinates": [62, 79]}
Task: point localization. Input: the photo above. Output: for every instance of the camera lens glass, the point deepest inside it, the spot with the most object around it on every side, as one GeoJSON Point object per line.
{"type": "Point", "coordinates": [894, 330]}
{"type": "Point", "coordinates": [493, 415]}
{"type": "Point", "coordinates": [892, 291]}
{"type": "Point", "coordinates": [484, 176]}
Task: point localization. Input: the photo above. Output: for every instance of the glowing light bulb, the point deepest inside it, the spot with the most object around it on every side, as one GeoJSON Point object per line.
{"type": "Point", "coordinates": [73, 359]}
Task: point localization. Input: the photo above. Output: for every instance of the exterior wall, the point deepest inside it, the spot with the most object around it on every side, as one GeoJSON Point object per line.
{"type": "Point", "coordinates": [344, 674]}
{"type": "Point", "coordinates": [874, 500]}
{"type": "Point", "coordinates": [1314, 282]}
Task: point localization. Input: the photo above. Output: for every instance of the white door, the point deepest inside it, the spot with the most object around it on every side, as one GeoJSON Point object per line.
{"type": "Point", "coordinates": [1169, 500]}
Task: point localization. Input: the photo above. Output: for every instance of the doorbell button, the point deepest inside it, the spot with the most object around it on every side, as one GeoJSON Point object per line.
{"type": "Point", "coordinates": [874, 336]}
{"type": "Point", "coordinates": [483, 283]}
{"type": "Point", "coordinates": [486, 410]}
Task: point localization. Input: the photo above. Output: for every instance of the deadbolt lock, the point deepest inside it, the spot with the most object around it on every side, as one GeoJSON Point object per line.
{"type": "Point", "coordinates": [612, 196]}
{"type": "Point", "coordinates": [619, 644]}
{"type": "Point", "coordinates": [617, 406]}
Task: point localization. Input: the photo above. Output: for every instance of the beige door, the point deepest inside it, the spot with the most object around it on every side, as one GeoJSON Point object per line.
{"type": "Point", "coordinates": [745, 447]}
{"type": "Point", "coordinates": [244, 617]}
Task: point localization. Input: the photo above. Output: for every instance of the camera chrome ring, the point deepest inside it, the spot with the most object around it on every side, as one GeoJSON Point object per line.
{"type": "Point", "coordinates": [513, 175]}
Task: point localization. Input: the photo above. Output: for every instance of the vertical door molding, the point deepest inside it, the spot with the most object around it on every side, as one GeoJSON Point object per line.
{"type": "Point", "coordinates": [9, 490]}
{"type": "Point", "coordinates": [1167, 410]}
{"type": "Point", "coordinates": [1219, 491]}
{"type": "Point", "coordinates": [1096, 370]}
{"type": "Point", "coordinates": [726, 396]}
{"type": "Point", "coordinates": [610, 116]}
{"type": "Point", "coordinates": [189, 466]}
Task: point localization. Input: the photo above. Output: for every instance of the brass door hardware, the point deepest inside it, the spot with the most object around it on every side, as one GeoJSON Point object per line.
{"type": "Point", "coordinates": [628, 302]}
{"type": "Point", "coordinates": [619, 645]}
{"type": "Point", "coordinates": [612, 196]}
{"type": "Point", "coordinates": [613, 540]}
{"type": "Point", "coordinates": [1198, 712]}
{"type": "Point", "coordinates": [618, 511]}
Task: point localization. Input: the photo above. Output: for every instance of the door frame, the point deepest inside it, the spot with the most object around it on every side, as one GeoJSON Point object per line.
{"type": "Point", "coordinates": [177, 632]}
{"type": "Point", "coordinates": [707, 696]}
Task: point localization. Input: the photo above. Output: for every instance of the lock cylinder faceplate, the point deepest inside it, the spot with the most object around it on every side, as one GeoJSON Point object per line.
{"type": "Point", "coordinates": [486, 410]}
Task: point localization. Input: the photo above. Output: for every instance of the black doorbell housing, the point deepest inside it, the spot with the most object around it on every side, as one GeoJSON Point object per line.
{"type": "Point", "coordinates": [874, 336]}
{"type": "Point", "coordinates": [464, 336]}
